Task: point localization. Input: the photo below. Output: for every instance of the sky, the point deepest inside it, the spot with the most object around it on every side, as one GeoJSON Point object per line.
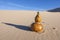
{"type": "Point", "coordinates": [29, 4]}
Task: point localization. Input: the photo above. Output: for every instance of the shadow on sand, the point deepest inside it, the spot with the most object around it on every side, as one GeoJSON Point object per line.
{"type": "Point", "coordinates": [22, 27]}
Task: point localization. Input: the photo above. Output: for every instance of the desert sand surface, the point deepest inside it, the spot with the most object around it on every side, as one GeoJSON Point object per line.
{"type": "Point", "coordinates": [15, 25]}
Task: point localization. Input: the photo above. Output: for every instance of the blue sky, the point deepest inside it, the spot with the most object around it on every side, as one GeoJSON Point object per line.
{"type": "Point", "coordinates": [29, 4]}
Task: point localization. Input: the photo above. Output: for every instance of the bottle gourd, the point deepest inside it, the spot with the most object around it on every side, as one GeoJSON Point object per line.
{"type": "Point", "coordinates": [37, 26]}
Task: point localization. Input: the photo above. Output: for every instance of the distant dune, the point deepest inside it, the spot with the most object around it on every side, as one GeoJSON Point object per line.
{"type": "Point", "coordinates": [54, 10]}
{"type": "Point", "coordinates": [15, 25]}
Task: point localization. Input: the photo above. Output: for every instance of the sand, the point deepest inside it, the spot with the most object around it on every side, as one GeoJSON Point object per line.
{"type": "Point", "coordinates": [15, 25]}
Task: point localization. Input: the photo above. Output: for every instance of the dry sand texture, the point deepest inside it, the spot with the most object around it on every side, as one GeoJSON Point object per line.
{"type": "Point", "coordinates": [14, 25]}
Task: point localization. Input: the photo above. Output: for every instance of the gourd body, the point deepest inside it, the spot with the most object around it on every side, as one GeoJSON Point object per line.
{"type": "Point", "coordinates": [37, 27]}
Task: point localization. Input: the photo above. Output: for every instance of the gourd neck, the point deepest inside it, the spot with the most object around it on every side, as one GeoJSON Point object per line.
{"type": "Point", "coordinates": [37, 13]}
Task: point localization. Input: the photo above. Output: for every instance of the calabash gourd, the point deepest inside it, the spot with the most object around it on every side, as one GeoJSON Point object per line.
{"type": "Point", "coordinates": [37, 26]}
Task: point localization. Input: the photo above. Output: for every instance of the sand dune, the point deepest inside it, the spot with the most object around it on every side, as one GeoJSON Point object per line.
{"type": "Point", "coordinates": [15, 25]}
